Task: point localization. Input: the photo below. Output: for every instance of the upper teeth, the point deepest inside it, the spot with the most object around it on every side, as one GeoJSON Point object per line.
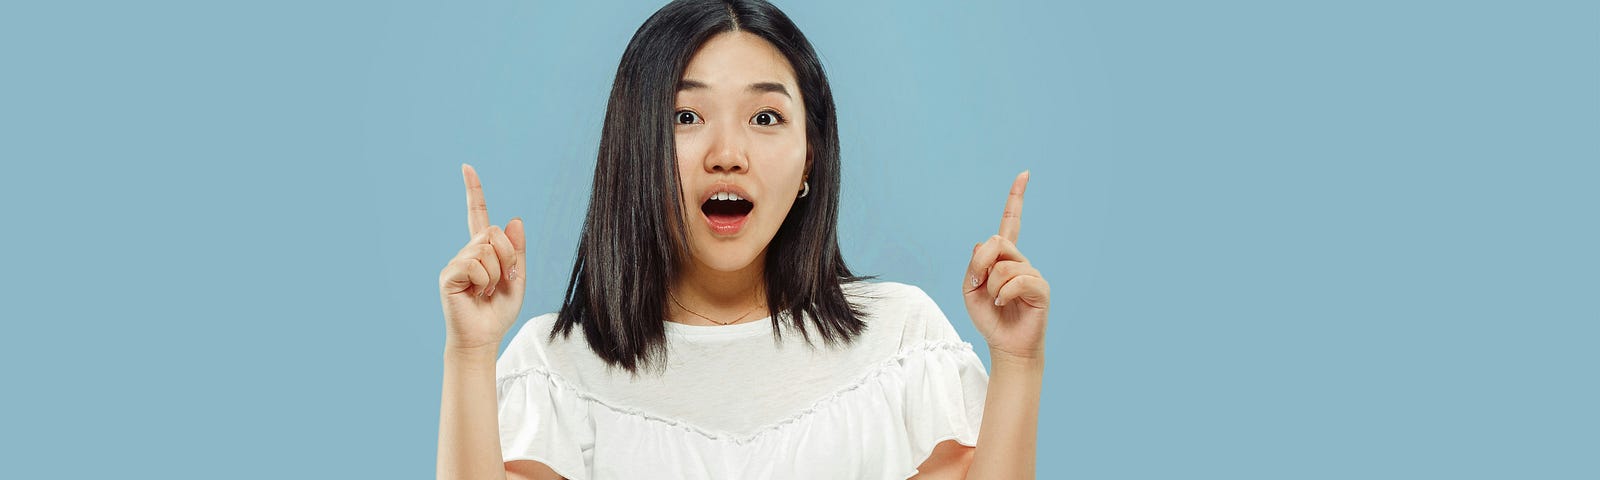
{"type": "Point", "coordinates": [726, 196]}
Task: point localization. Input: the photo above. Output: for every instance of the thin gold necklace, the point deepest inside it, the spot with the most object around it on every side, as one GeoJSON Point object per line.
{"type": "Point", "coordinates": [708, 319]}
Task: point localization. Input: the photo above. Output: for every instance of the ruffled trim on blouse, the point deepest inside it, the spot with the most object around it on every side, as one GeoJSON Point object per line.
{"type": "Point", "coordinates": [904, 407]}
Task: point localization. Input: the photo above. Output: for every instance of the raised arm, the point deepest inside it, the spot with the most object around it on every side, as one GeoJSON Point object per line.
{"type": "Point", "coordinates": [481, 290]}
{"type": "Point", "coordinates": [1009, 302]}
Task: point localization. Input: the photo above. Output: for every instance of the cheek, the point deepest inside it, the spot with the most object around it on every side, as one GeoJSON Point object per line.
{"type": "Point", "coordinates": [689, 153]}
{"type": "Point", "coordinates": [785, 166]}
{"type": "Point", "coordinates": [785, 156]}
{"type": "Point", "coordinates": [793, 161]}
{"type": "Point", "coordinates": [688, 150]}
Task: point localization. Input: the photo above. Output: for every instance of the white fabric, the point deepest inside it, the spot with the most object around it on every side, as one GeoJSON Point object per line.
{"type": "Point", "coordinates": [736, 403]}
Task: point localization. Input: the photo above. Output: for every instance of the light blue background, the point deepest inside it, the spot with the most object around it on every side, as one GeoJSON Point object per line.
{"type": "Point", "coordinates": [1347, 240]}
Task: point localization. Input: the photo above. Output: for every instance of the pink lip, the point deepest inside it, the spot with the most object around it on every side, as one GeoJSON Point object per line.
{"type": "Point", "coordinates": [723, 187]}
{"type": "Point", "coordinates": [725, 228]}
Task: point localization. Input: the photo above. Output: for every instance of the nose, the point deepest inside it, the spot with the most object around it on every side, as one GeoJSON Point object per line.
{"type": "Point", "coordinates": [727, 154]}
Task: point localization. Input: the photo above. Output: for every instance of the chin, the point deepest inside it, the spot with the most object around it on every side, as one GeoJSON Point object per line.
{"type": "Point", "coordinates": [727, 256]}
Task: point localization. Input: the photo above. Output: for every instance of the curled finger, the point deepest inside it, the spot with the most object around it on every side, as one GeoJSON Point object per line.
{"type": "Point", "coordinates": [462, 273]}
{"type": "Point", "coordinates": [1002, 272]}
{"type": "Point", "coordinates": [995, 249]}
{"type": "Point", "coordinates": [1030, 289]}
{"type": "Point", "coordinates": [503, 251]}
{"type": "Point", "coordinates": [983, 257]}
{"type": "Point", "coordinates": [490, 263]}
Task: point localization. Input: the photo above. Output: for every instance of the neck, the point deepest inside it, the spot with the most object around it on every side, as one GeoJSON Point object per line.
{"type": "Point", "coordinates": [723, 296]}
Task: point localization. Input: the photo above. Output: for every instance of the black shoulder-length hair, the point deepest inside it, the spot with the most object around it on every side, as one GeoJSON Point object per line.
{"type": "Point", "coordinates": [630, 250]}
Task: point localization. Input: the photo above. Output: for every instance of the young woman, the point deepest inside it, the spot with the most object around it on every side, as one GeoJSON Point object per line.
{"type": "Point", "coordinates": [711, 328]}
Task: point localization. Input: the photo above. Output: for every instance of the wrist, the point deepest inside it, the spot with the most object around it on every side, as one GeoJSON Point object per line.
{"type": "Point", "coordinates": [473, 354]}
{"type": "Point", "coordinates": [1027, 362]}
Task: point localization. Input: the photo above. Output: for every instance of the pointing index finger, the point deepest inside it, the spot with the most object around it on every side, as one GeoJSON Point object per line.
{"type": "Point", "coordinates": [1011, 218]}
{"type": "Point", "coordinates": [477, 209]}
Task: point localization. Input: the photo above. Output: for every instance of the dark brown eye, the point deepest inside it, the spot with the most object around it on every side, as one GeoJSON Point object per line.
{"type": "Point", "coordinates": [767, 118]}
{"type": "Point", "coordinates": [686, 117]}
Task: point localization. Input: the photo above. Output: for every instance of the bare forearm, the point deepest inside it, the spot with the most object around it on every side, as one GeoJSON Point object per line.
{"type": "Point", "coordinates": [1008, 438]}
{"type": "Point", "coordinates": [469, 425]}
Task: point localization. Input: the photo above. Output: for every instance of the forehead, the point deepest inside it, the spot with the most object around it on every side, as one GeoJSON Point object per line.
{"type": "Point", "coordinates": [732, 60]}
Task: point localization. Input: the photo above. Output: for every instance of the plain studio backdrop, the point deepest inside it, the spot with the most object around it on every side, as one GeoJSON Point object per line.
{"type": "Point", "coordinates": [1329, 241]}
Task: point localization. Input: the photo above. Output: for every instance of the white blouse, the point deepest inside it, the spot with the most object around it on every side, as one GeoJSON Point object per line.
{"type": "Point", "coordinates": [737, 403]}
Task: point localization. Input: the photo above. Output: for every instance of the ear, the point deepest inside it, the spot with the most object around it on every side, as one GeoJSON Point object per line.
{"type": "Point", "coordinates": [807, 173]}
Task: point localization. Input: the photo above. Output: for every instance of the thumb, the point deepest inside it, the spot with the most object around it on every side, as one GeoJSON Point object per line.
{"type": "Point", "coordinates": [519, 241]}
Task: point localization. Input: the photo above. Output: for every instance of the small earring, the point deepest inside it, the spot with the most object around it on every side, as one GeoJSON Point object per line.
{"type": "Point", "coordinates": [805, 189]}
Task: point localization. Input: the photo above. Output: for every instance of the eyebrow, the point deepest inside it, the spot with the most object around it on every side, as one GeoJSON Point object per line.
{"type": "Point", "coordinates": [758, 87]}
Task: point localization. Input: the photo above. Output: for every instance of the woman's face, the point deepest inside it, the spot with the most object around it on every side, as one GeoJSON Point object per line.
{"type": "Point", "coordinates": [740, 133]}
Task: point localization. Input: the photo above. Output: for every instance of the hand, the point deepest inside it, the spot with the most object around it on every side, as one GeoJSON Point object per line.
{"type": "Point", "coordinates": [1007, 298]}
{"type": "Point", "coordinates": [482, 287]}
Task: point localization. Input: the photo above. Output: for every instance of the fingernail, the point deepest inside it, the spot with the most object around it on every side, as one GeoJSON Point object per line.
{"type": "Point", "coordinates": [513, 274]}
{"type": "Point", "coordinates": [975, 280]}
{"type": "Point", "coordinates": [996, 301]}
{"type": "Point", "coordinates": [491, 292]}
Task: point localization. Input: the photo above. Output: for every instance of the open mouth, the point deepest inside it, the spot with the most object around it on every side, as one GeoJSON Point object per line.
{"type": "Point", "coordinates": [726, 212]}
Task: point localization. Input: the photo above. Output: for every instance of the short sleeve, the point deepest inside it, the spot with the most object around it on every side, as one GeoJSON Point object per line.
{"type": "Point", "coordinates": [924, 321]}
{"type": "Point", "coordinates": [946, 383]}
{"type": "Point", "coordinates": [541, 416]}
